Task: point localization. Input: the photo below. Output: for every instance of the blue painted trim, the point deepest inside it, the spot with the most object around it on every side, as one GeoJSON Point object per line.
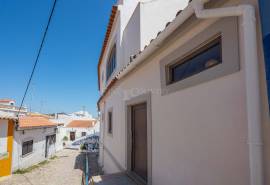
{"type": "Point", "coordinates": [86, 169]}
{"type": "Point", "coordinates": [265, 14]}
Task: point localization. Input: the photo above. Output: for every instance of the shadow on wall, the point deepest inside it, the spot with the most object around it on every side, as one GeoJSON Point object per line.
{"type": "Point", "coordinates": [80, 162]}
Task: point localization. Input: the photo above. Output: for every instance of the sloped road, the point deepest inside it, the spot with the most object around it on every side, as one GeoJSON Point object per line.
{"type": "Point", "coordinates": [66, 169]}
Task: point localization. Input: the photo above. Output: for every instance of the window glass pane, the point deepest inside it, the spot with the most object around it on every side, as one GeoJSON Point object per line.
{"type": "Point", "coordinates": [197, 62]}
{"type": "Point", "coordinates": [27, 147]}
{"type": "Point", "coordinates": [111, 64]}
{"type": "Point", "coordinates": [110, 122]}
{"type": "Point", "coordinates": [24, 149]}
{"type": "Point", "coordinates": [30, 146]}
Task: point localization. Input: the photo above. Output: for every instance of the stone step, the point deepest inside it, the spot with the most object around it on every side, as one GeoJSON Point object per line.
{"type": "Point", "coordinates": [112, 179]}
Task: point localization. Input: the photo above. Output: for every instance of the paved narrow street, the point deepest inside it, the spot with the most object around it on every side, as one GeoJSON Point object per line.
{"type": "Point", "coordinates": [66, 169]}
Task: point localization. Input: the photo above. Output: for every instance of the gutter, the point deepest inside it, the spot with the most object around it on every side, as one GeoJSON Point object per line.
{"type": "Point", "coordinates": [251, 70]}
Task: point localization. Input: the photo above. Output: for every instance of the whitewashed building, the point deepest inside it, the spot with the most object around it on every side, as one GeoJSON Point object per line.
{"type": "Point", "coordinates": [8, 105]}
{"type": "Point", "coordinates": [34, 141]}
{"type": "Point", "coordinates": [74, 126]}
{"type": "Point", "coordinates": [7, 124]}
{"type": "Point", "coordinates": [183, 93]}
{"type": "Point", "coordinates": [80, 128]}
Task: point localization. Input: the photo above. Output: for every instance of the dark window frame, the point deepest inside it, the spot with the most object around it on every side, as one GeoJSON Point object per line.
{"type": "Point", "coordinates": [188, 59]}
{"type": "Point", "coordinates": [27, 147]}
{"type": "Point", "coordinates": [83, 134]}
{"type": "Point", "coordinates": [111, 63]}
{"type": "Point", "coordinates": [110, 122]}
{"type": "Point", "coordinates": [52, 139]}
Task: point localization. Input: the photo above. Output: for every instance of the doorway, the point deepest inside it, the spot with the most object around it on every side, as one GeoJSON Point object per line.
{"type": "Point", "coordinates": [139, 139]}
{"type": "Point", "coordinates": [72, 136]}
{"type": "Point", "coordinates": [50, 145]}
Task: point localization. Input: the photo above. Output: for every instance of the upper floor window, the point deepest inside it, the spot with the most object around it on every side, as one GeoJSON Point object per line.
{"type": "Point", "coordinates": [111, 64]}
{"type": "Point", "coordinates": [202, 59]}
{"type": "Point", "coordinates": [210, 55]}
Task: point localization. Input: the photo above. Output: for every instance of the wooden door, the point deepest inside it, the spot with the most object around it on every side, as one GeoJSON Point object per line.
{"type": "Point", "coordinates": [46, 146]}
{"type": "Point", "coordinates": [72, 136]}
{"type": "Point", "coordinates": [139, 140]}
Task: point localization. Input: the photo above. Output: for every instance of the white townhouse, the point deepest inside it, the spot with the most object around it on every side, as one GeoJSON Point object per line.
{"type": "Point", "coordinates": [183, 93]}
{"type": "Point", "coordinates": [75, 125]}
{"type": "Point", "coordinates": [80, 128]}
{"type": "Point", "coordinates": [34, 141]}
{"type": "Point", "coordinates": [8, 106]}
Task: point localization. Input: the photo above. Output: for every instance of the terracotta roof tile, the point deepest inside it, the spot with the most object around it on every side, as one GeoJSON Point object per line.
{"type": "Point", "coordinates": [136, 55]}
{"type": "Point", "coordinates": [30, 122]}
{"type": "Point", "coordinates": [106, 39]}
{"type": "Point", "coordinates": [81, 124]}
{"type": "Point", "coordinates": [5, 100]}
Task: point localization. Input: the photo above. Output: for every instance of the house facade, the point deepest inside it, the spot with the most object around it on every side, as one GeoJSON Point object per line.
{"type": "Point", "coordinates": [34, 141]}
{"type": "Point", "coordinates": [8, 105]}
{"type": "Point", "coordinates": [184, 94]}
{"type": "Point", "coordinates": [7, 123]}
{"type": "Point", "coordinates": [75, 125]}
{"type": "Point", "coordinates": [80, 128]}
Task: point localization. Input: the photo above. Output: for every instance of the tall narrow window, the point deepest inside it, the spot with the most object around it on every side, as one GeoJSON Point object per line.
{"type": "Point", "coordinates": [111, 64]}
{"type": "Point", "coordinates": [110, 122]}
{"type": "Point", "coordinates": [198, 61]}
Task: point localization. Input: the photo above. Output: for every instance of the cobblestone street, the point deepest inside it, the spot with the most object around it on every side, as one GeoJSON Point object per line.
{"type": "Point", "coordinates": [66, 169]}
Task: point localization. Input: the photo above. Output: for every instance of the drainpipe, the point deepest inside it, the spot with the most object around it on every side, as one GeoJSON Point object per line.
{"type": "Point", "coordinates": [247, 12]}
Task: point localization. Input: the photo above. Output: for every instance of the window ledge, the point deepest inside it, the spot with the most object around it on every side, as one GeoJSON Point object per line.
{"type": "Point", "coordinates": [26, 155]}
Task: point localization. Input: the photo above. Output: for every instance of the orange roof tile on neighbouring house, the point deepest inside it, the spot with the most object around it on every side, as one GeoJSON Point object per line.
{"type": "Point", "coordinates": [32, 122]}
{"type": "Point", "coordinates": [81, 124]}
{"type": "Point", "coordinates": [6, 100]}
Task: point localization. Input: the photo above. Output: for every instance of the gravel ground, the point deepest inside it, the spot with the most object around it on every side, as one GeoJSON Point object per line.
{"type": "Point", "coordinates": [64, 170]}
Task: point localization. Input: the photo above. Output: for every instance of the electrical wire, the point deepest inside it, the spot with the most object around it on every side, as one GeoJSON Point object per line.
{"type": "Point", "coordinates": [38, 55]}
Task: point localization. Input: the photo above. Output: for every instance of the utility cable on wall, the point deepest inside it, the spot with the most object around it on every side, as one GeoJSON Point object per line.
{"type": "Point", "coordinates": [38, 55]}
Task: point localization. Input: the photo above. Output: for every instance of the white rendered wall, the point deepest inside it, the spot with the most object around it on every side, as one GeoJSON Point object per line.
{"type": "Point", "coordinates": [38, 154]}
{"type": "Point", "coordinates": [138, 22]}
{"type": "Point", "coordinates": [78, 131]}
{"type": "Point", "coordinates": [199, 134]}
{"type": "Point", "coordinates": [60, 134]}
{"type": "Point", "coordinates": [3, 136]}
{"type": "Point", "coordinates": [155, 15]}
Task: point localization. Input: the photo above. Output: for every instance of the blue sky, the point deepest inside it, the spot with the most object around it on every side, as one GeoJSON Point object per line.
{"type": "Point", "coordinates": [66, 76]}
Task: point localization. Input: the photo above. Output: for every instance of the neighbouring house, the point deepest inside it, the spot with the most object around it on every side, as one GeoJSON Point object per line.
{"type": "Point", "coordinates": [75, 125]}
{"type": "Point", "coordinates": [7, 102]}
{"type": "Point", "coordinates": [183, 93]}
{"type": "Point", "coordinates": [8, 105]}
{"type": "Point", "coordinates": [34, 141]}
{"type": "Point", "coordinates": [7, 123]}
{"type": "Point", "coordinates": [80, 128]}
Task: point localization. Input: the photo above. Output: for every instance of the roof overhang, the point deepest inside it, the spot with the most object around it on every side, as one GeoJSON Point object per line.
{"type": "Point", "coordinates": [37, 127]}
{"type": "Point", "coordinates": [106, 39]}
